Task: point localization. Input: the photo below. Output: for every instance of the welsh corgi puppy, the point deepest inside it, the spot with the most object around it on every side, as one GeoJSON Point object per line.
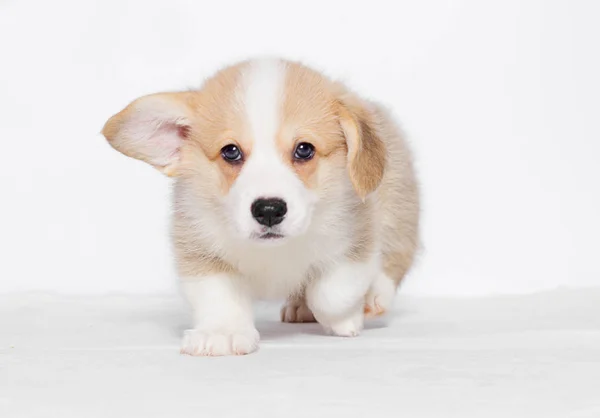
{"type": "Point", "coordinates": [286, 185]}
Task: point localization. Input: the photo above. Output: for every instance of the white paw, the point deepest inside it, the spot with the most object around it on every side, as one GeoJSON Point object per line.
{"type": "Point", "coordinates": [380, 296]}
{"type": "Point", "coordinates": [296, 311]}
{"type": "Point", "coordinates": [198, 342]}
{"type": "Point", "coordinates": [347, 327]}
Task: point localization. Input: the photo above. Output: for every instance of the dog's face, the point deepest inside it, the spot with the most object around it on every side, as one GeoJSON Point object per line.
{"type": "Point", "coordinates": [265, 146]}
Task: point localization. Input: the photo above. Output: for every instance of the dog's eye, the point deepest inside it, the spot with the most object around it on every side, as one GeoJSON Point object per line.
{"type": "Point", "coordinates": [304, 151]}
{"type": "Point", "coordinates": [231, 153]}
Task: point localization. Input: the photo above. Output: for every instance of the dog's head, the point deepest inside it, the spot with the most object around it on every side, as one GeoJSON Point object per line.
{"type": "Point", "coordinates": [268, 143]}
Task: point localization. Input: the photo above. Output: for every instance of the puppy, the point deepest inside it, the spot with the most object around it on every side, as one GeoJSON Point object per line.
{"type": "Point", "coordinates": [286, 184]}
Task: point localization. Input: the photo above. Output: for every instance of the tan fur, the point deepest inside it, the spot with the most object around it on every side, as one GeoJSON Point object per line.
{"type": "Point", "coordinates": [397, 200]}
{"type": "Point", "coordinates": [216, 124]}
{"type": "Point", "coordinates": [309, 115]}
{"type": "Point", "coordinates": [366, 151]}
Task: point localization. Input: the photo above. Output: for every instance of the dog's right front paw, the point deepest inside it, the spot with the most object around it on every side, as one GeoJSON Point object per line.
{"type": "Point", "coordinates": [197, 342]}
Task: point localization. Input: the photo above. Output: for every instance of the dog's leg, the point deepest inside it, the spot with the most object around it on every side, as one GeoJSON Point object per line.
{"type": "Point", "coordinates": [223, 319]}
{"type": "Point", "coordinates": [295, 309]}
{"type": "Point", "coordinates": [337, 298]}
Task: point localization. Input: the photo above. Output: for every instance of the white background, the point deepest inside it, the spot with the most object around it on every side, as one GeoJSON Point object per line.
{"type": "Point", "coordinates": [501, 101]}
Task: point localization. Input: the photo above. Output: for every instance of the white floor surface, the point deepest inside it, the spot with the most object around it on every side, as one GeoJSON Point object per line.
{"type": "Point", "coordinates": [117, 356]}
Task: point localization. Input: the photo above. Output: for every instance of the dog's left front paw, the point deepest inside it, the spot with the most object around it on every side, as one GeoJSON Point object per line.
{"type": "Point", "coordinates": [350, 326]}
{"type": "Point", "coordinates": [197, 342]}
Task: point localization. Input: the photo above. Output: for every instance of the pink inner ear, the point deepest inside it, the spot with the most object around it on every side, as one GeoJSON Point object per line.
{"type": "Point", "coordinates": [167, 141]}
{"type": "Point", "coordinates": [158, 141]}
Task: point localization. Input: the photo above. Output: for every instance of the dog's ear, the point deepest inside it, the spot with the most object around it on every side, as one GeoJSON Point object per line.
{"type": "Point", "coordinates": [153, 129]}
{"type": "Point", "coordinates": [366, 151]}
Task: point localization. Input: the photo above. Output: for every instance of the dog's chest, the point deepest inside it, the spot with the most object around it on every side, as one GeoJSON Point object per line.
{"type": "Point", "coordinates": [277, 272]}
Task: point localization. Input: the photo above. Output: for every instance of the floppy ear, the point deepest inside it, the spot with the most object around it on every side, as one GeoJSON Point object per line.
{"type": "Point", "coordinates": [153, 129]}
{"type": "Point", "coordinates": [366, 151]}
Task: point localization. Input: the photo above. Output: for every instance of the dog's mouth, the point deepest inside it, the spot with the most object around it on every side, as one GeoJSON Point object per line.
{"type": "Point", "coordinates": [268, 236]}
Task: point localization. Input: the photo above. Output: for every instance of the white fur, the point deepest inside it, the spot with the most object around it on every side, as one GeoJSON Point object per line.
{"type": "Point", "coordinates": [262, 94]}
{"type": "Point", "coordinates": [264, 174]}
{"type": "Point", "coordinates": [223, 323]}
{"type": "Point", "coordinates": [337, 298]}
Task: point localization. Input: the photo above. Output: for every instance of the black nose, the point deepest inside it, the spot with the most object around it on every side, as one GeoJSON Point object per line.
{"type": "Point", "coordinates": [268, 212]}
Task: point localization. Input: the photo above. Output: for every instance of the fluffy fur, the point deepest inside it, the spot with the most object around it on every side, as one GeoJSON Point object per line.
{"type": "Point", "coordinates": [351, 228]}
